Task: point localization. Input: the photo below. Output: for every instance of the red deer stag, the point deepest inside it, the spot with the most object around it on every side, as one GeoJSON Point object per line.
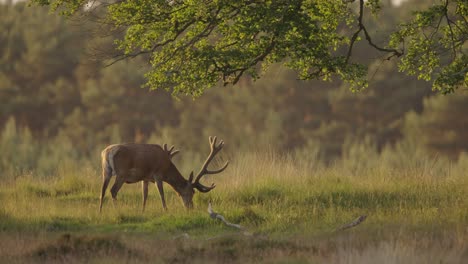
{"type": "Point", "coordinates": [131, 163]}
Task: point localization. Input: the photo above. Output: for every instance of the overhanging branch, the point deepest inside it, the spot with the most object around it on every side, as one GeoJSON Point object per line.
{"type": "Point", "coordinates": [362, 28]}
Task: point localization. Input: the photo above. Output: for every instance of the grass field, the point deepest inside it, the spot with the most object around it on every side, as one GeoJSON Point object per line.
{"type": "Point", "coordinates": [416, 213]}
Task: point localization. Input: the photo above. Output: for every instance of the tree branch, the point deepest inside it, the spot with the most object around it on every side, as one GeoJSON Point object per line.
{"type": "Point", "coordinates": [361, 27]}
{"type": "Point", "coordinates": [120, 57]}
{"type": "Point", "coordinates": [452, 35]}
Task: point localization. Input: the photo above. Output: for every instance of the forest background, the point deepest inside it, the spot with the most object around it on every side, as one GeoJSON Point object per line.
{"type": "Point", "coordinates": [60, 103]}
{"type": "Point", "coordinates": [305, 157]}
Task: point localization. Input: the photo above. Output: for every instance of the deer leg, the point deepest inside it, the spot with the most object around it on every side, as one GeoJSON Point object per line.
{"type": "Point", "coordinates": [145, 193]}
{"type": "Point", "coordinates": [105, 182]}
{"type": "Point", "coordinates": [119, 181]}
{"type": "Point", "coordinates": [161, 193]}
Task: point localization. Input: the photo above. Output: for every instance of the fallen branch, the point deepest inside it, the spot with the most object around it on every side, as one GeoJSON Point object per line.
{"type": "Point", "coordinates": [182, 236]}
{"type": "Point", "coordinates": [215, 215]}
{"type": "Point", "coordinates": [354, 223]}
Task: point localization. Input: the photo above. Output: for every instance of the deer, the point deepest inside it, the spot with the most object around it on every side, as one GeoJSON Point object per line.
{"type": "Point", "coordinates": [132, 163]}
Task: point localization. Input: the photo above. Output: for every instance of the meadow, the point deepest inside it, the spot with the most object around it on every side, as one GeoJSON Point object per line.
{"type": "Point", "coordinates": [306, 157]}
{"type": "Point", "coordinates": [290, 206]}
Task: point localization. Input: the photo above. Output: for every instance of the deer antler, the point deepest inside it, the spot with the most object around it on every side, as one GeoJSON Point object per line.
{"type": "Point", "coordinates": [204, 170]}
{"type": "Point", "coordinates": [169, 151]}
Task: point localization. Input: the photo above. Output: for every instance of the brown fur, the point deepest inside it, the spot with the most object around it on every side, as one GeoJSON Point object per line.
{"type": "Point", "coordinates": [132, 163]}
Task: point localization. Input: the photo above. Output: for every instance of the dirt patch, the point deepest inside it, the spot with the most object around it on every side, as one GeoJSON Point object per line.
{"type": "Point", "coordinates": [68, 247]}
{"type": "Point", "coordinates": [235, 249]}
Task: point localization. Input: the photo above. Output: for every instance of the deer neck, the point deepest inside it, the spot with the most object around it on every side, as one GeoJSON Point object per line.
{"type": "Point", "coordinates": [175, 179]}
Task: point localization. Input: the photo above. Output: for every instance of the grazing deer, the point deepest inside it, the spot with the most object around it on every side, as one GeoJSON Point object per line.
{"type": "Point", "coordinates": [132, 163]}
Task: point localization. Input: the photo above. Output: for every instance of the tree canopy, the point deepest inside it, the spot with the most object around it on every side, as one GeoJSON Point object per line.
{"type": "Point", "coordinates": [196, 44]}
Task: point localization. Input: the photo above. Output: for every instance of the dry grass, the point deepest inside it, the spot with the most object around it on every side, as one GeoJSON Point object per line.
{"type": "Point", "coordinates": [416, 214]}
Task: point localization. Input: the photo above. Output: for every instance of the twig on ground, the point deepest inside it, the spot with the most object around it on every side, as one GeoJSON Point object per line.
{"type": "Point", "coordinates": [354, 223]}
{"type": "Point", "coordinates": [215, 215]}
{"type": "Point", "coordinates": [182, 236]}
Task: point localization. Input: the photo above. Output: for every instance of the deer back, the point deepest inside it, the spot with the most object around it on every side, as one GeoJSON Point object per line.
{"type": "Point", "coordinates": [136, 162]}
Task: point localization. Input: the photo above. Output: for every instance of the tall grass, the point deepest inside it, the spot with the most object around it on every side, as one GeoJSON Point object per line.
{"type": "Point", "coordinates": [49, 185]}
{"type": "Point", "coordinates": [407, 194]}
{"type": "Point", "coordinates": [265, 191]}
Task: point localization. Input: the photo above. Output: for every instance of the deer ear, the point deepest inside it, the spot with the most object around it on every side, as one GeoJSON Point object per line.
{"type": "Point", "coordinates": [190, 179]}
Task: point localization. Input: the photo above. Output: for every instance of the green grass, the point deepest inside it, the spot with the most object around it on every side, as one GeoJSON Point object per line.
{"type": "Point", "coordinates": [292, 208]}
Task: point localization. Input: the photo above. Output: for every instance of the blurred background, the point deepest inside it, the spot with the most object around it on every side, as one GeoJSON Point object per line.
{"type": "Point", "coordinates": [60, 105]}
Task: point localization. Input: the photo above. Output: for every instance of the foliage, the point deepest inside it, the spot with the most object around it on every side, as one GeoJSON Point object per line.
{"type": "Point", "coordinates": [441, 29]}
{"type": "Point", "coordinates": [441, 126]}
{"type": "Point", "coordinates": [22, 154]}
{"type": "Point", "coordinates": [63, 97]}
{"type": "Point", "coordinates": [115, 109]}
{"type": "Point", "coordinates": [196, 44]}
{"type": "Point", "coordinates": [375, 114]}
{"type": "Point", "coordinates": [36, 66]}
{"type": "Point", "coordinates": [18, 148]}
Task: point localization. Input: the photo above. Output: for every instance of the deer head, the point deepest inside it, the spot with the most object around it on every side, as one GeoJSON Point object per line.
{"type": "Point", "coordinates": [192, 185]}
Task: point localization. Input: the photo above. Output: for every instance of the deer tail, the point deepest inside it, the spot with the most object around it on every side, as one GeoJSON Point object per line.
{"type": "Point", "coordinates": [107, 159]}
